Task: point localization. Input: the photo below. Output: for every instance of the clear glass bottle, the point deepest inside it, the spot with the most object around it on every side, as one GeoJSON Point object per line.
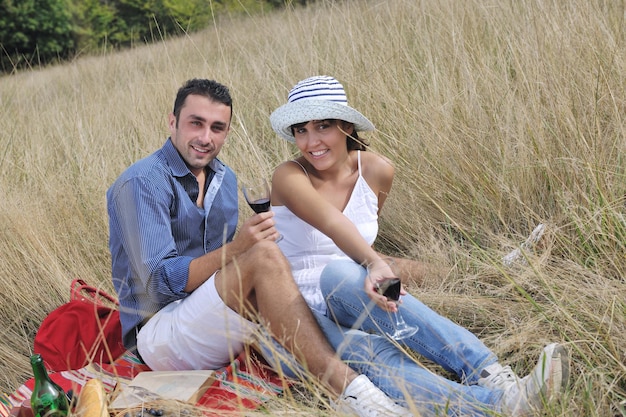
{"type": "Point", "coordinates": [48, 398]}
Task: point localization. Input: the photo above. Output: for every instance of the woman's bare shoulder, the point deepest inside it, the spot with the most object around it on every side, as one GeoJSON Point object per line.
{"type": "Point", "coordinates": [288, 167]}
{"type": "Point", "coordinates": [374, 163]}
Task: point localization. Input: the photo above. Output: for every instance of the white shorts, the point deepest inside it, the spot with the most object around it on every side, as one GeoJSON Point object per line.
{"type": "Point", "coordinates": [197, 332]}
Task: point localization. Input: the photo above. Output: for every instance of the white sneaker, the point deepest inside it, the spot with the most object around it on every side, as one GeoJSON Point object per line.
{"type": "Point", "coordinates": [543, 384]}
{"type": "Point", "coordinates": [497, 377]}
{"type": "Point", "coordinates": [362, 398]}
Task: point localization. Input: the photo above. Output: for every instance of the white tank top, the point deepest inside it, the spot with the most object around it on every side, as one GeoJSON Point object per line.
{"type": "Point", "coordinates": [309, 250]}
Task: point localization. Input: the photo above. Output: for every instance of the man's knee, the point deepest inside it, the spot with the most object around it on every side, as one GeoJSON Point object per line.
{"type": "Point", "coordinates": [267, 256]}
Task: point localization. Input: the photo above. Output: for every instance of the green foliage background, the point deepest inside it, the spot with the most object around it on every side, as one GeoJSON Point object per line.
{"type": "Point", "coordinates": [38, 32]}
{"type": "Point", "coordinates": [34, 29]}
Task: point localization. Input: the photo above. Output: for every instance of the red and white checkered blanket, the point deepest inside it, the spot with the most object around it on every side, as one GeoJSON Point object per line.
{"type": "Point", "coordinates": [245, 384]}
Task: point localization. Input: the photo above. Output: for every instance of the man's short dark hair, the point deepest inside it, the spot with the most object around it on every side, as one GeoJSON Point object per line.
{"type": "Point", "coordinates": [202, 87]}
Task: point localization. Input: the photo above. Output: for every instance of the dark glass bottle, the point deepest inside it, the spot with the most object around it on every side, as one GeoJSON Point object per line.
{"type": "Point", "coordinates": [48, 399]}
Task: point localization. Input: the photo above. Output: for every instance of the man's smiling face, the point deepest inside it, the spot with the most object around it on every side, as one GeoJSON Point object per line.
{"type": "Point", "coordinates": [200, 131]}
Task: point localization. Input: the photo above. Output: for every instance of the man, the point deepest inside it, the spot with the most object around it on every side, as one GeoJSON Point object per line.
{"type": "Point", "coordinates": [192, 294]}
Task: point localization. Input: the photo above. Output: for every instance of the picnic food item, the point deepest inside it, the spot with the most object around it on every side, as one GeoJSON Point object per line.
{"type": "Point", "coordinates": [92, 401]}
{"type": "Point", "coordinates": [48, 398]}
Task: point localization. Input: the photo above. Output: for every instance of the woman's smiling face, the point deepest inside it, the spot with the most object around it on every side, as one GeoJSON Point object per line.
{"type": "Point", "coordinates": [322, 142]}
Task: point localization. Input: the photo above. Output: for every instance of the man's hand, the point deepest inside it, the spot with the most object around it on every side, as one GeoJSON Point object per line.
{"type": "Point", "coordinates": [256, 228]}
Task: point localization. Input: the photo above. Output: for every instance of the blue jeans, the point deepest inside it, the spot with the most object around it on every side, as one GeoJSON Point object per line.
{"type": "Point", "coordinates": [439, 339]}
{"type": "Point", "coordinates": [386, 364]}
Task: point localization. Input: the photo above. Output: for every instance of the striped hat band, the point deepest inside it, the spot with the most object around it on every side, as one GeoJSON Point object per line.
{"type": "Point", "coordinates": [316, 98]}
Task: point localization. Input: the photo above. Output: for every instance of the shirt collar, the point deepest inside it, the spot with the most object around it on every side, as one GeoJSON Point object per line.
{"type": "Point", "coordinates": [177, 163]}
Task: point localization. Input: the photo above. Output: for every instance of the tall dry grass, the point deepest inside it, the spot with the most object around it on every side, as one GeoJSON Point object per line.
{"type": "Point", "coordinates": [498, 114]}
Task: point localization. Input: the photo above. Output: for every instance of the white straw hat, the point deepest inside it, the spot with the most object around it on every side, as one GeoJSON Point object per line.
{"type": "Point", "coordinates": [316, 98]}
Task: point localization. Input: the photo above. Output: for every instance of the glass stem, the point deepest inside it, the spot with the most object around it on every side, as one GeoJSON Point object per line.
{"type": "Point", "coordinates": [399, 320]}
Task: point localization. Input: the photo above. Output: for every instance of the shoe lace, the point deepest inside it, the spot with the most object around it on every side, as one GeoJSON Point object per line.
{"type": "Point", "coordinates": [504, 377]}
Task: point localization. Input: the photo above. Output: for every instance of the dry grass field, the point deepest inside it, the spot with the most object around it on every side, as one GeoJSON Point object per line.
{"type": "Point", "coordinates": [498, 114]}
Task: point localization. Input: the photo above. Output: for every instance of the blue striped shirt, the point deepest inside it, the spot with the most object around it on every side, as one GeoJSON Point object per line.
{"type": "Point", "coordinates": [156, 229]}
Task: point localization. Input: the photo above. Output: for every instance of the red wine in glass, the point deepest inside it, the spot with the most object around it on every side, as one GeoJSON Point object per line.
{"type": "Point", "coordinates": [258, 197]}
{"type": "Point", "coordinates": [261, 205]}
{"type": "Point", "coordinates": [390, 288]}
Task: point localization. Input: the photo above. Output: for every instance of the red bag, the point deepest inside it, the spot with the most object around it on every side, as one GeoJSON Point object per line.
{"type": "Point", "coordinates": [86, 329]}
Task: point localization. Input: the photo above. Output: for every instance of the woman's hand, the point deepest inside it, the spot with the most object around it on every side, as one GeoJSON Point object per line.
{"type": "Point", "coordinates": [378, 272]}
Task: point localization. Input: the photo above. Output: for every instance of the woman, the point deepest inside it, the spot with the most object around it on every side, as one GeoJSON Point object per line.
{"type": "Point", "coordinates": [326, 204]}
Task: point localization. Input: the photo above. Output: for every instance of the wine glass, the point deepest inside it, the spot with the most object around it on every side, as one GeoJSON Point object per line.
{"type": "Point", "coordinates": [390, 288]}
{"type": "Point", "coordinates": [257, 194]}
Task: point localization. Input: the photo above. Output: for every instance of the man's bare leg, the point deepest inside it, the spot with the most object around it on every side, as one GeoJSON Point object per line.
{"type": "Point", "coordinates": [419, 273]}
{"type": "Point", "coordinates": [262, 277]}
